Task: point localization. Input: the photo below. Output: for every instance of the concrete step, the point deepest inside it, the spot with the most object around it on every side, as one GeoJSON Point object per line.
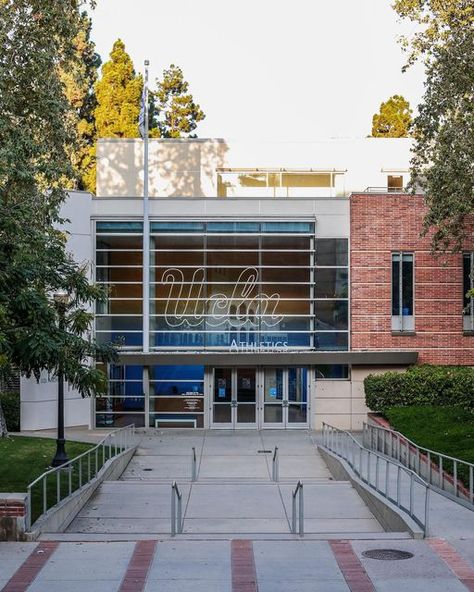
{"type": "Point", "coordinates": [108, 537]}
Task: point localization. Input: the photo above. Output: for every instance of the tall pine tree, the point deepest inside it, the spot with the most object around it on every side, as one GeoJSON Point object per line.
{"type": "Point", "coordinates": [118, 95]}
{"type": "Point", "coordinates": [393, 120]}
{"type": "Point", "coordinates": [176, 113]}
{"type": "Point", "coordinates": [79, 77]}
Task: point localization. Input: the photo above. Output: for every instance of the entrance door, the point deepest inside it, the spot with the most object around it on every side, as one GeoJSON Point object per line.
{"type": "Point", "coordinates": [285, 398]}
{"type": "Point", "coordinates": [234, 402]}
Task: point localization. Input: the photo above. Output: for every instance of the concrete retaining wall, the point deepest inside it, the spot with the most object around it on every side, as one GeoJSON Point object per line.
{"type": "Point", "coordinates": [57, 519]}
{"type": "Point", "coordinates": [389, 516]}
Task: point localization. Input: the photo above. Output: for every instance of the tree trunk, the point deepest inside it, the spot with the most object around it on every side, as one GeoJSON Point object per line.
{"type": "Point", "coordinates": [3, 423]}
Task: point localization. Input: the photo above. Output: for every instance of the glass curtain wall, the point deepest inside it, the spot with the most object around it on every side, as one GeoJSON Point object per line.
{"type": "Point", "coordinates": [125, 400]}
{"type": "Point", "coordinates": [246, 286]}
{"type": "Point", "coordinates": [119, 263]}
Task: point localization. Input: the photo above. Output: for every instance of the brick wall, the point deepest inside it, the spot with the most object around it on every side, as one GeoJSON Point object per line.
{"type": "Point", "coordinates": [381, 224]}
{"type": "Point", "coordinates": [13, 516]}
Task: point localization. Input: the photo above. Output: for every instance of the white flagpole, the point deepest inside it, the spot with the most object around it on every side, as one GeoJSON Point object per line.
{"type": "Point", "coordinates": [146, 227]}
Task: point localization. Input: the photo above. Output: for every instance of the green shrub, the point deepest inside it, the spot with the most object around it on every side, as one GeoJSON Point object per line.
{"type": "Point", "coordinates": [421, 385]}
{"type": "Point", "coordinates": [11, 410]}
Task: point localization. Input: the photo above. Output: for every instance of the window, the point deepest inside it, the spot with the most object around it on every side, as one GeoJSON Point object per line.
{"type": "Point", "coordinates": [402, 292]}
{"type": "Point", "coordinates": [275, 183]}
{"type": "Point", "coordinates": [331, 372]}
{"type": "Point", "coordinates": [468, 284]}
{"type": "Point", "coordinates": [395, 183]}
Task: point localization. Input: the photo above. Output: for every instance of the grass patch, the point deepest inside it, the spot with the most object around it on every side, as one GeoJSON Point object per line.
{"type": "Point", "coordinates": [444, 429]}
{"type": "Point", "coordinates": [23, 459]}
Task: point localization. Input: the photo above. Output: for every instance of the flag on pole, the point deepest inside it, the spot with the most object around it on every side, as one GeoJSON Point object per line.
{"type": "Point", "coordinates": [142, 116]}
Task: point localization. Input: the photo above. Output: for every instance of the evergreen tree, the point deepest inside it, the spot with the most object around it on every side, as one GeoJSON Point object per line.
{"type": "Point", "coordinates": [177, 115]}
{"type": "Point", "coordinates": [393, 119]}
{"type": "Point", "coordinates": [118, 95]}
{"type": "Point", "coordinates": [79, 77]}
{"type": "Point", "coordinates": [443, 154]}
{"type": "Point", "coordinates": [38, 135]}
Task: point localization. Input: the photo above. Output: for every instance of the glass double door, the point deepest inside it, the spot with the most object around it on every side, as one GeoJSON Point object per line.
{"type": "Point", "coordinates": [285, 398]}
{"type": "Point", "coordinates": [234, 403]}
{"type": "Point", "coordinates": [260, 398]}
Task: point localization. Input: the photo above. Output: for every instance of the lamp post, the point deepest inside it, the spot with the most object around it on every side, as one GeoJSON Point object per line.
{"type": "Point", "coordinates": [61, 299]}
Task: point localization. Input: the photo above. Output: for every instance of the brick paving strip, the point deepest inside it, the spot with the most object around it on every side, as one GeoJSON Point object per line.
{"type": "Point", "coordinates": [244, 574]}
{"type": "Point", "coordinates": [457, 564]}
{"type": "Point", "coordinates": [352, 569]}
{"type": "Point", "coordinates": [135, 577]}
{"type": "Point", "coordinates": [30, 568]}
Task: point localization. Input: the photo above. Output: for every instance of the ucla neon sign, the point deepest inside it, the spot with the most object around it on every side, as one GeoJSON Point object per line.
{"type": "Point", "coordinates": [242, 309]}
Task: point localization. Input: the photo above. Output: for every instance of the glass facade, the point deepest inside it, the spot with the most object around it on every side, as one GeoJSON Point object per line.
{"type": "Point", "coordinates": [246, 286]}
{"type": "Point", "coordinates": [235, 286]}
{"type": "Point", "coordinates": [274, 183]}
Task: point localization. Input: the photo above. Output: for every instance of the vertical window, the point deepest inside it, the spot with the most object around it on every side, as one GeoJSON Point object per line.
{"type": "Point", "coordinates": [468, 284]}
{"type": "Point", "coordinates": [395, 183]}
{"type": "Point", "coordinates": [402, 292]}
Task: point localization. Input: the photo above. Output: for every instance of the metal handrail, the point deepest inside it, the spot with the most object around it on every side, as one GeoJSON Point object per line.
{"type": "Point", "coordinates": [80, 470]}
{"type": "Point", "coordinates": [369, 466]}
{"type": "Point", "coordinates": [385, 189]}
{"type": "Point", "coordinates": [193, 465]}
{"type": "Point", "coordinates": [276, 465]}
{"type": "Point", "coordinates": [422, 460]}
{"type": "Point", "coordinates": [176, 510]}
{"type": "Point", "coordinates": [299, 489]}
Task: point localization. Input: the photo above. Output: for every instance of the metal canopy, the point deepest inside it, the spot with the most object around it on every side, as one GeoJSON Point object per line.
{"type": "Point", "coordinates": [355, 358]}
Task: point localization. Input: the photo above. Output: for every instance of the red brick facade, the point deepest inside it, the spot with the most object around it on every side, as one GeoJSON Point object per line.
{"type": "Point", "coordinates": [380, 225]}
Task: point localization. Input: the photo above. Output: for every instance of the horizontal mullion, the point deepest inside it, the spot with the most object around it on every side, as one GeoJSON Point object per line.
{"type": "Point", "coordinates": [119, 314]}
{"type": "Point", "coordinates": [236, 250]}
{"type": "Point", "coordinates": [229, 317]}
{"type": "Point", "coordinates": [253, 299]}
{"type": "Point", "coordinates": [177, 380]}
{"type": "Point", "coordinates": [264, 283]}
{"type": "Point", "coordinates": [214, 234]}
{"type": "Point", "coordinates": [233, 331]}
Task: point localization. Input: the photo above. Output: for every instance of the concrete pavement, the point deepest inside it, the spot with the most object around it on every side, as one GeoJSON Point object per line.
{"type": "Point", "coordinates": [234, 566]}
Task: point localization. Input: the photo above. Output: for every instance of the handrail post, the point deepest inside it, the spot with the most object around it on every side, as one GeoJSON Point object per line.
{"type": "Point", "coordinates": [28, 509]}
{"type": "Point", "coordinates": [176, 510]}
{"type": "Point", "coordinates": [427, 510]}
{"type": "Point", "coordinates": [275, 465]}
{"type": "Point", "coordinates": [301, 511]}
{"type": "Point", "coordinates": [193, 465]}
{"type": "Point", "coordinates": [298, 492]}
{"type": "Point", "coordinates": [173, 510]}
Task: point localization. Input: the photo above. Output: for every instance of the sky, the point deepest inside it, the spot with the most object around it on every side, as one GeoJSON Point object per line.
{"type": "Point", "coordinates": [270, 69]}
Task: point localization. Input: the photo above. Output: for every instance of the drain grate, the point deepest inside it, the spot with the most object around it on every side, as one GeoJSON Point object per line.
{"type": "Point", "coordinates": [264, 451]}
{"type": "Point", "coordinates": [387, 554]}
{"type": "Point", "coordinates": [147, 469]}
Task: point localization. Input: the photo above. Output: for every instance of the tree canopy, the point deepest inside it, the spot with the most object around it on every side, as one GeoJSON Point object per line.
{"type": "Point", "coordinates": [118, 96]}
{"type": "Point", "coordinates": [175, 114]}
{"type": "Point", "coordinates": [443, 160]}
{"type": "Point", "coordinates": [79, 76]}
{"type": "Point", "coordinates": [393, 120]}
{"type": "Point", "coordinates": [38, 134]}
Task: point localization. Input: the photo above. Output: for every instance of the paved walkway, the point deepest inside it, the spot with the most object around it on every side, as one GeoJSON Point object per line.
{"type": "Point", "coordinates": [233, 495]}
{"type": "Point", "coordinates": [234, 566]}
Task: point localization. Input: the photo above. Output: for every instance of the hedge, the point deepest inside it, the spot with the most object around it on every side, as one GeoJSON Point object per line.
{"type": "Point", "coordinates": [421, 385]}
{"type": "Point", "coordinates": [11, 410]}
